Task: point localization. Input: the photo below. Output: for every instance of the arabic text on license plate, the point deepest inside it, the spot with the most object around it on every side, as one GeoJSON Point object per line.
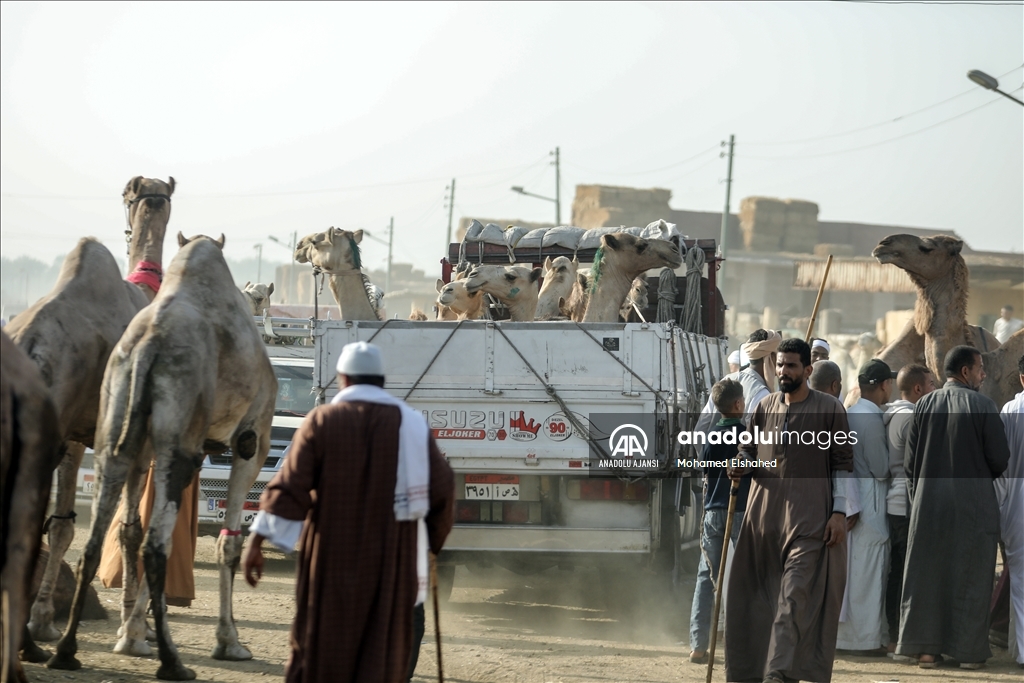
{"type": "Point", "coordinates": [492, 491]}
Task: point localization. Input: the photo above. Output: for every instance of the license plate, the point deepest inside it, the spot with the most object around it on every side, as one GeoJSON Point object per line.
{"type": "Point", "coordinates": [492, 487]}
{"type": "Point", "coordinates": [88, 483]}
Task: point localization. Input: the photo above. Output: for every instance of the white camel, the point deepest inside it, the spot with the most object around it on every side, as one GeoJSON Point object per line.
{"type": "Point", "coordinates": [259, 297]}
{"type": "Point", "coordinates": [190, 376]}
{"type": "Point", "coordinates": [559, 276]}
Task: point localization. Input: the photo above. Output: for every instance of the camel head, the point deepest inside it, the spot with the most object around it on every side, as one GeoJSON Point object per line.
{"type": "Point", "coordinates": [182, 240]}
{"type": "Point", "coordinates": [630, 256]}
{"type": "Point", "coordinates": [924, 258]}
{"type": "Point", "coordinates": [149, 195]}
{"type": "Point", "coordinates": [559, 276]}
{"type": "Point", "coordinates": [333, 251]}
{"type": "Point", "coordinates": [507, 283]}
{"type": "Point", "coordinates": [259, 297]}
{"type": "Point", "coordinates": [516, 287]}
{"type": "Point", "coordinates": [454, 295]}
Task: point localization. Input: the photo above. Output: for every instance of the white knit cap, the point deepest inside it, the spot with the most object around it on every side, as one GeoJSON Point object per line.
{"type": "Point", "coordinates": [821, 344]}
{"type": "Point", "coordinates": [734, 357]}
{"type": "Point", "coordinates": [361, 358]}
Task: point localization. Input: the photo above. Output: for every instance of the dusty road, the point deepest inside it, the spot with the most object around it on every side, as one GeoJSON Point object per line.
{"type": "Point", "coordinates": [498, 627]}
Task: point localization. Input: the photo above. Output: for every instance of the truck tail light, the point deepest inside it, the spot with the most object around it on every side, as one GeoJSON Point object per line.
{"type": "Point", "coordinates": [607, 489]}
{"type": "Point", "coordinates": [467, 511]}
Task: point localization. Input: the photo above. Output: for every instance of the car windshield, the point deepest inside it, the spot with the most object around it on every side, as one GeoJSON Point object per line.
{"type": "Point", "coordinates": [294, 390]}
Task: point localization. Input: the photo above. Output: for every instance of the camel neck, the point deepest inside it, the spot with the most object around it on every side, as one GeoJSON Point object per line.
{"type": "Point", "coordinates": [148, 229]}
{"type": "Point", "coordinates": [350, 293]}
{"type": "Point", "coordinates": [607, 296]}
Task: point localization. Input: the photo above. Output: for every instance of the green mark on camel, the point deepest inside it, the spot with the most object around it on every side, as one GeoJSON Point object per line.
{"type": "Point", "coordinates": [513, 292]}
{"type": "Point", "coordinates": [595, 270]}
{"type": "Point", "coordinates": [357, 260]}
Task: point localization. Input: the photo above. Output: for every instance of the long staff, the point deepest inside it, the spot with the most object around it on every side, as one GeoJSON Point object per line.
{"type": "Point", "coordinates": [437, 616]}
{"type": "Point", "coordinates": [734, 491]}
{"type": "Point", "coordinates": [817, 301]}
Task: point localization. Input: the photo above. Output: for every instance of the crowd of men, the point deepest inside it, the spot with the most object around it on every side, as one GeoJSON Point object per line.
{"type": "Point", "coordinates": [881, 544]}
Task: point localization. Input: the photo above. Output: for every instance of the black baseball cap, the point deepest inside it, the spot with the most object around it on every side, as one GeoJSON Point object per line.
{"type": "Point", "coordinates": [875, 371]}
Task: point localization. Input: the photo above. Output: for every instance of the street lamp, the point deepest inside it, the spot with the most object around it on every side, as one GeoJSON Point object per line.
{"type": "Point", "coordinates": [990, 83]}
{"type": "Point", "coordinates": [520, 190]}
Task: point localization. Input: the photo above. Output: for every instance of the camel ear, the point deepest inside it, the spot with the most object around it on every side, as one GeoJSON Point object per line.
{"type": "Point", "coordinates": [247, 283]}
{"type": "Point", "coordinates": [181, 240]}
{"type": "Point", "coordinates": [170, 185]}
{"type": "Point", "coordinates": [954, 246]}
{"type": "Point", "coordinates": [357, 236]}
{"type": "Point", "coordinates": [439, 285]}
{"type": "Point", "coordinates": [575, 263]}
{"type": "Point", "coordinates": [561, 305]}
{"type": "Point", "coordinates": [220, 242]}
{"type": "Point", "coordinates": [674, 239]}
{"type": "Point", "coordinates": [610, 242]}
{"type": "Point", "coordinates": [535, 274]}
{"type": "Point", "coordinates": [133, 186]}
{"type": "Point", "coordinates": [329, 235]}
{"type": "Point", "coordinates": [581, 278]}
{"type": "Point", "coordinates": [270, 289]}
{"type": "Point", "coordinates": [547, 263]}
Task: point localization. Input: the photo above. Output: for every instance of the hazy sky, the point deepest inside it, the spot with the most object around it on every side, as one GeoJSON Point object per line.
{"type": "Point", "coordinates": [282, 117]}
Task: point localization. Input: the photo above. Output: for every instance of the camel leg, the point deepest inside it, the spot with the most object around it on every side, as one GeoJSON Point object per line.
{"type": "Point", "coordinates": [229, 552]}
{"type": "Point", "coordinates": [110, 476]}
{"type": "Point", "coordinates": [171, 479]}
{"type": "Point", "coordinates": [62, 532]}
{"type": "Point", "coordinates": [133, 621]}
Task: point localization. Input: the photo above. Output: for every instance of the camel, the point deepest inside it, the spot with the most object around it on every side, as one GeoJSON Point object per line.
{"type": "Point", "coordinates": [417, 314]}
{"type": "Point", "coordinates": [30, 448]}
{"type": "Point", "coordinates": [455, 303]}
{"type": "Point", "coordinates": [941, 277]}
{"type": "Point", "coordinates": [259, 297]}
{"type": "Point", "coordinates": [559, 277]}
{"type": "Point", "coordinates": [1002, 377]}
{"type": "Point", "coordinates": [190, 376]}
{"type": "Point", "coordinates": [516, 287]}
{"type": "Point", "coordinates": [336, 252]}
{"type": "Point", "coordinates": [575, 306]}
{"type": "Point", "coordinates": [621, 258]}
{"type": "Point", "coordinates": [70, 333]}
{"type": "Point", "coordinates": [636, 301]}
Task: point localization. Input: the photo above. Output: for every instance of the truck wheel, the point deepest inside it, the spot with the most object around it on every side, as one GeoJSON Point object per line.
{"type": "Point", "coordinates": [445, 581]}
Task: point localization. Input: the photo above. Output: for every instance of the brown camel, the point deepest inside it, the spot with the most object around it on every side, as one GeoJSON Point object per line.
{"type": "Point", "coordinates": [1002, 380]}
{"type": "Point", "coordinates": [622, 258]}
{"type": "Point", "coordinates": [636, 301]}
{"type": "Point", "coordinates": [190, 376]}
{"type": "Point", "coordinates": [336, 253]}
{"type": "Point", "coordinates": [516, 287]}
{"type": "Point", "coordinates": [559, 277]}
{"type": "Point", "coordinates": [941, 277]}
{"type": "Point", "coordinates": [30, 449]}
{"type": "Point", "coordinates": [259, 297]}
{"type": "Point", "coordinates": [455, 303]}
{"type": "Point", "coordinates": [70, 332]}
{"type": "Point", "coordinates": [575, 306]}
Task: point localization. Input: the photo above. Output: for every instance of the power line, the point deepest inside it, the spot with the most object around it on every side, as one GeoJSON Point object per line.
{"type": "Point", "coordinates": [874, 125]}
{"type": "Point", "coordinates": [928, 2]}
{"type": "Point", "coordinates": [881, 142]}
{"type": "Point", "coordinates": [653, 170]}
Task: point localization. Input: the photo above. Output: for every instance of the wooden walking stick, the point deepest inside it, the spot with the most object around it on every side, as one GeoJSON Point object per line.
{"type": "Point", "coordinates": [734, 491]}
{"type": "Point", "coordinates": [437, 616]}
{"type": "Point", "coordinates": [817, 301]}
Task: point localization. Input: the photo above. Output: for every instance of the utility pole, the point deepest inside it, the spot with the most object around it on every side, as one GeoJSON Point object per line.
{"type": "Point", "coordinates": [558, 187]}
{"type": "Point", "coordinates": [451, 208]}
{"type": "Point", "coordinates": [259, 261]}
{"type": "Point", "coordinates": [391, 241]}
{"type": "Point", "coordinates": [728, 191]}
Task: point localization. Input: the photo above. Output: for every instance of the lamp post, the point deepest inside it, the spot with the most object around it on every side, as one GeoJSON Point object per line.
{"type": "Point", "coordinates": [520, 190]}
{"type": "Point", "coordinates": [259, 260]}
{"type": "Point", "coordinates": [990, 83]}
{"type": "Point", "coordinates": [390, 244]}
